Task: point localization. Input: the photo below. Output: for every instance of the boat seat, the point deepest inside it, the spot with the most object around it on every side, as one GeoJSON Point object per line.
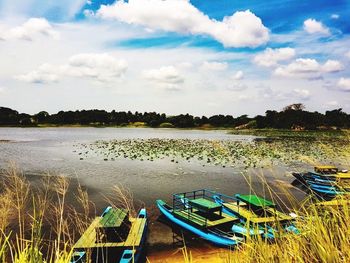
{"type": "Point", "coordinates": [201, 221]}
{"type": "Point", "coordinates": [191, 217]}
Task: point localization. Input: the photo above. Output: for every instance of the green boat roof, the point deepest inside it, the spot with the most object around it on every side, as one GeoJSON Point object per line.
{"type": "Point", "coordinates": [254, 200]}
{"type": "Point", "coordinates": [205, 205]}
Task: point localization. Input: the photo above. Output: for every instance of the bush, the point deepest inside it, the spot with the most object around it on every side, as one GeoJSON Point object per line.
{"type": "Point", "coordinates": [166, 125]}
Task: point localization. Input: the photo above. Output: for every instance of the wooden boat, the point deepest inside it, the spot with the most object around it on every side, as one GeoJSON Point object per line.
{"type": "Point", "coordinates": [330, 173]}
{"type": "Point", "coordinates": [112, 237]}
{"type": "Point", "coordinates": [256, 211]}
{"type": "Point", "coordinates": [196, 212]}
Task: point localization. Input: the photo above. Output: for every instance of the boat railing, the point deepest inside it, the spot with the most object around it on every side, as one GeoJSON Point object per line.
{"type": "Point", "coordinates": [202, 193]}
{"type": "Point", "coordinates": [182, 203]}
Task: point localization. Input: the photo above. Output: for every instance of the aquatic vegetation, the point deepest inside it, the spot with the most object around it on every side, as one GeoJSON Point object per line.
{"type": "Point", "coordinates": [258, 153]}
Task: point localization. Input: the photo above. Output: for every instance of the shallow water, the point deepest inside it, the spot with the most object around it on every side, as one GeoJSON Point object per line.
{"type": "Point", "coordinates": [52, 150]}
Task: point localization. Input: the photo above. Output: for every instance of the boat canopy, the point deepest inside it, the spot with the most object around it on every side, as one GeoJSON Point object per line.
{"type": "Point", "coordinates": [254, 200]}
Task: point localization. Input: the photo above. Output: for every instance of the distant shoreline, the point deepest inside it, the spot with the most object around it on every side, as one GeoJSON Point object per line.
{"type": "Point", "coordinates": [292, 117]}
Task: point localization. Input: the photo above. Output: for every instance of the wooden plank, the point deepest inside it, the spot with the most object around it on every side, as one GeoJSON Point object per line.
{"type": "Point", "coordinates": [135, 234]}
{"type": "Point", "coordinates": [89, 236]}
{"type": "Point", "coordinates": [223, 220]}
{"type": "Point", "coordinates": [251, 216]}
{"type": "Point", "coordinates": [191, 217]}
{"type": "Point", "coordinates": [113, 219]}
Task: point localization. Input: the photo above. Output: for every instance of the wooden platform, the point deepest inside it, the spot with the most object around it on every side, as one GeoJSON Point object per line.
{"type": "Point", "coordinates": [114, 220]}
{"type": "Point", "coordinates": [254, 218]}
{"type": "Point", "coordinates": [196, 218]}
{"type": "Point", "coordinates": [205, 205]}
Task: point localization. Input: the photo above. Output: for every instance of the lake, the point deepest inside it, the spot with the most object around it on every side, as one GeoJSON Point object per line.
{"type": "Point", "coordinates": [53, 150]}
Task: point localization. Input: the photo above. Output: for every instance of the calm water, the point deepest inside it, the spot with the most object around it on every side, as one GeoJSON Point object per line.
{"type": "Point", "coordinates": [38, 151]}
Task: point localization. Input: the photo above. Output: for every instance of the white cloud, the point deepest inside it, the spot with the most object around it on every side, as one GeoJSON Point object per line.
{"type": "Point", "coordinates": [242, 29]}
{"type": "Point", "coordinates": [270, 94]}
{"type": "Point", "coordinates": [237, 86]}
{"type": "Point", "coordinates": [308, 68]}
{"type": "Point", "coordinates": [335, 16]}
{"type": "Point", "coordinates": [313, 26]}
{"type": "Point", "coordinates": [101, 67]}
{"type": "Point", "coordinates": [332, 103]}
{"type": "Point", "coordinates": [186, 65]}
{"type": "Point", "coordinates": [238, 75]}
{"type": "Point", "coordinates": [302, 94]}
{"type": "Point", "coordinates": [167, 77]}
{"type": "Point", "coordinates": [271, 57]}
{"type": "Point", "coordinates": [44, 74]}
{"type": "Point", "coordinates": [29, 30]}
{"type": "Point", "coordinates": [332, 66]}
{"type": "Point", "coordinates": [295, 94]}
{"type": "Point", "coordinates": [344, 84]}
{"type": "Point", "coordinates": [347, 54]}
{"type": "Point", "coordinates": [214, 65]}
{"type": "Point", "coordinates": [2, 90]}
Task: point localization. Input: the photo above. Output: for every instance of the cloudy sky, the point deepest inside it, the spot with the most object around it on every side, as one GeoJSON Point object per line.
{"type": "Point", "coordinates": [203, 57]}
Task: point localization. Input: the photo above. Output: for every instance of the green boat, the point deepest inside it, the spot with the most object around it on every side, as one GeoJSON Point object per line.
{"type": "Point", "coordinates": [254, 210]}
{"type": "Point", "coordinates": [112, 237]}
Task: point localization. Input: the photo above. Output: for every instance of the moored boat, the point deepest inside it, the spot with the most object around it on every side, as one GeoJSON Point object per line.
{"type": "Point", "coordinates": [256, 211]}
{"type": "Point", "coordinates": [197, 213]}
{"type": "Point", "coordinates": [113, 237]}
{"type": "Point", "coordinates": [325, 189]}
{"type": "Point", "coordinates": [326, 173]}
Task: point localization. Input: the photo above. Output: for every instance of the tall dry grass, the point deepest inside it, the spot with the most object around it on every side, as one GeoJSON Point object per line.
{"type": "Point", "coordinates": [325, 230]}
{"type": "Point", "coordinates": [36, 222]}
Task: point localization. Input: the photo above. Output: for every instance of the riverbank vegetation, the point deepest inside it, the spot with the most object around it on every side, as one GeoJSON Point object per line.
{"type": "Point", "coordinates": [42, 224]}
{"type": "Point", "coordinates": [291, 117]}
{"type": "Point", "coordinates": [41, 218]}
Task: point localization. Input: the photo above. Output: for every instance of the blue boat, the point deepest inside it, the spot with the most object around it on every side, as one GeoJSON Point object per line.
{"type": "Point", "coordinates": [324, 189]}
{"type": "Point", "coordinates": [319, 172]}
{"type": "Point", "coordinates": [198, 214]}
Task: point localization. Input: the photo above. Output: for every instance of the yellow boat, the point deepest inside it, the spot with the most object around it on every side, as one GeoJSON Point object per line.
{"type": "Point", "coordinates": [113, 237]}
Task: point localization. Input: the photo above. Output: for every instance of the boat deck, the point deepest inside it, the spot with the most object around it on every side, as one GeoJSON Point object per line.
{"type": "Point", "coordinates": [205, 220]}
{"type": "Point", "coordinates": [205, 205]}
{"type": "Point", "coordinates": [112, 220]}
{"type": "Point", "coordinates": [254, 218]}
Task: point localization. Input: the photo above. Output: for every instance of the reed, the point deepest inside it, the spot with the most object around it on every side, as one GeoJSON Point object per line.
{"type": "Point", "coordinates": [324, 230]}
{"type": "Point", "coordinates": [36, 223]}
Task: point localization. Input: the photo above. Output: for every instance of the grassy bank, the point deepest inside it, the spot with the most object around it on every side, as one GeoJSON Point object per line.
{"type": "Point", "coordinates": [283, 133]}
{"type": "Point", "coordinates": [38, 224]}
{"type": "Point", "coordinates": [42, 218]}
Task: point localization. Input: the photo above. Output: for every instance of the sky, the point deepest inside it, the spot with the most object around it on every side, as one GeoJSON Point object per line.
{"type": "Point", "coordinates": [201, 57]}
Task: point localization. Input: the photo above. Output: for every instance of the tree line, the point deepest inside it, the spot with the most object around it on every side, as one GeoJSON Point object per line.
{"type": "Point", "coordinates": [291, 117]}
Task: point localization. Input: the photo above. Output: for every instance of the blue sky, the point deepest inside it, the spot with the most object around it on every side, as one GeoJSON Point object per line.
{"type": "Point", "coordinates": [174, 56]}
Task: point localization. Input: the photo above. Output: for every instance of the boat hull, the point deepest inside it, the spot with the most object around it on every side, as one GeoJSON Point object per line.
{"type": "Point", "coordinates": [216, 239]}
